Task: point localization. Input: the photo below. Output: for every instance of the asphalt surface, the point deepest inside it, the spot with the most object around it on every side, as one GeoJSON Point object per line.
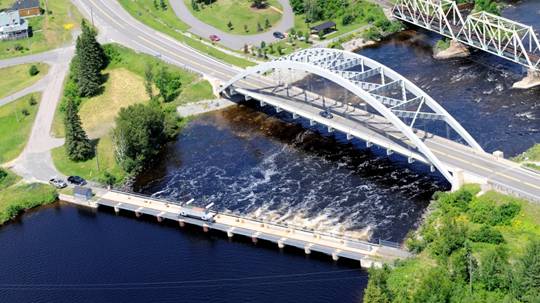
{"type": "Point", "coordinates": [204, 30]}
{"type": "Point", "coordinates": [116, 25]}
{"type": "Point", "coordinates": [35, 162]}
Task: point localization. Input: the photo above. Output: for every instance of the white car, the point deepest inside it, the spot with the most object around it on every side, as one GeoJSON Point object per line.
{"type": "Point", "coordinates": [58, 183]}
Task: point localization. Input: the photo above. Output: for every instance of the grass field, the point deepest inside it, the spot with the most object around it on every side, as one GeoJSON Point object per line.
{"type": "Point", "coordinates": [530, 158]}
{"type": "Point", "coordinates": [167, 22]}
{"type": "Point", "coordinates": [239, 13]}
{"type": "Point", "coordinates": [49, 31]}
{"type": "Point", "coordinates": [94, 168]}
{"type": "Point", "coordinates": [15, 127]}
{"type": "Point", "coordinates": [19, 78]}
{"type": "Point", "coordinates": [124, 86]}
{"type": "Point", "coordinates": [16, 198]}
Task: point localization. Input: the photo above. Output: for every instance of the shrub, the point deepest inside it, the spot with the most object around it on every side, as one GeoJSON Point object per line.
{"type": "Point", "coordinates": [25, 112]}
{"type": "Point", "coordinates": [487, 212]}
{"type": "Point", "coordinates": [33, 70]}
{"type": "Point", "coordinates": [347, 19]}
{"type": "Point", "coordinates": [486, 234]}
{"type": "Point", "coordinates": [506, 212]}
{"type": "Point", "coordinates": [32, 101]}
{"type": "Point", "coordinates": [108, 179]}
{"type": "Point", "coordinates": [3, 174]}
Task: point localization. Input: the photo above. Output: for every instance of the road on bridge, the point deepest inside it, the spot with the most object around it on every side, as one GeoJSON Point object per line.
{"type": "Point", "coordinates": [118, 26]}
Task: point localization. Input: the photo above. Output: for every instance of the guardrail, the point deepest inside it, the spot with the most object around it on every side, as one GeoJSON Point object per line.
{"type": "Point", "coordinates": [275, 224]}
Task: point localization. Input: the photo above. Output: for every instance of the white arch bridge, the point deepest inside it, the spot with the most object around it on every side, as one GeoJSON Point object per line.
{"type": "Point", "coordinates": [388, 111]}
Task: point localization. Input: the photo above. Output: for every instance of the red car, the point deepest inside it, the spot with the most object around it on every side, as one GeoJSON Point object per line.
{"type": "Point", "coordinates": [214, 38]}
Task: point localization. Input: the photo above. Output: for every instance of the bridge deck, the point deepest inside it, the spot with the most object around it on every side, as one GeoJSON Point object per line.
{"type": "Point", "coordinates": [331, 244]}
{"type": "Point", "coordinates": [483, 167]}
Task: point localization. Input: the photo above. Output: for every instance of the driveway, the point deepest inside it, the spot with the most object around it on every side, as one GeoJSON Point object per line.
{"type": "Point", "coordinates": [232, 41]}
{"type": "Point", "coordinates": [35, 162]}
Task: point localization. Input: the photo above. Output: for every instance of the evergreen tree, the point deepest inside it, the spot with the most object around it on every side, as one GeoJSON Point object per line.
{"type": "Point", "coordinates": [78, 146]}
{"type": "Point", "coordinates": [528, 273]}
{"type": "Point", "coordinates": [91, 60]}
{"type": "Point", "coordinates": [267, 23]}
{"type": "Point", "coordinates": [163, 5]}
{"type": "Point", "coordinates": [149, 81]}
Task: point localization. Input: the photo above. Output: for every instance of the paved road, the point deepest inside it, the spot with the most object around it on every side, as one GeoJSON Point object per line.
{"type": "Point", "coordinates": [114, 21]}
{"type": "Point", "coordinates": [204, 30]}
{"type": "Point", "coordinates": [36, 87]}
{"type": "Point", "coordinates": [35, 162]}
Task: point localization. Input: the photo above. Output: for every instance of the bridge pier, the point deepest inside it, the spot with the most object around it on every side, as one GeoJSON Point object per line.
{"type": "Point", "coordinates": [294, 116]}
{"type": "Point", "coordinates": [116, 209]}
{"type": "Point", "coordinates": [456, 50]}
{"type": "Point", "coordinates": [335, 256]}
{"type": "Point", "coordinates": [531, 80]}
{"type": "Point", "coordinates": [181, 223]}
{"type": "Point", "coordinates": [307, 249]}
{"type": "Point", "coordinates": [206, 228]}
{"type": "Point", "coordinates": [350, 137]}
{"type": "Point", "coordinates": [389, 152]}
{"type": "Point", "coordinates": [281, 243]}
{"type": "Point", "coordinates": [311, 123]}
{"type": "Point", "coordinates": [262, 104]}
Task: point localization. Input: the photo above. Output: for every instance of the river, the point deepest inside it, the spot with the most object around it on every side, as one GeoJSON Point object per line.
{"type": "Point", "coordinates": [259, 163]}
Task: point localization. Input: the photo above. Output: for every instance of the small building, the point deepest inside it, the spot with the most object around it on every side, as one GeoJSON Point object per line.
{"type": "Point", "coordinates": [27, 8]}
{"type": "Point", "coordinates": [323, 28]}
{"type": "Point", "coordinates": [82, 193]}
{"type": "Point", "coordinates": [12, 26]}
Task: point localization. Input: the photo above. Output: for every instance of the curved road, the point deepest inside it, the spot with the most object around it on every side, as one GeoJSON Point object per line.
{"type": "Point", "coordinates": [116, 25]}
{"type": "Point", "coordinates": [204, 30]}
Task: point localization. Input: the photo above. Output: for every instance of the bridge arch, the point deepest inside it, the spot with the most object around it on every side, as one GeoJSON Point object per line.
{"type": "Point", "coordinates": [335, 66]}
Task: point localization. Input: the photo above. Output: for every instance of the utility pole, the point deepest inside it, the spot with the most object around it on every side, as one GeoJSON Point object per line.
{"type": "Point", "coordinates": [92, 15]}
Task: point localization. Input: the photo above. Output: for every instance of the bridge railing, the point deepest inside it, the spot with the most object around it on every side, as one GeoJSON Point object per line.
{"type": "Point", "coordinates": [368, 245]}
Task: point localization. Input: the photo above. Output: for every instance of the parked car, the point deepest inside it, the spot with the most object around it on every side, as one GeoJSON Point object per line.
{"type": "Point", "coordinates": [58, 183]}
{"type": "Point", "coordinates": [326, 114]}
{"type": "Point", "coordinates": [214, 38]}
{"type": "Point", "coordinates": [76, 180]}
{"type": "Point", "coordinates": [279, 35]}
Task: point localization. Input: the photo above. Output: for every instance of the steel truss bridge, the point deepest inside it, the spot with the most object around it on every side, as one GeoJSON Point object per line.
{"type": "Point", "coordinates": [388, 114]}
{"type": "Point", "coordinates": [494, 34]}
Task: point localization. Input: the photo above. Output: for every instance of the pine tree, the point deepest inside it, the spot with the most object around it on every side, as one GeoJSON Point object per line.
{"type": "Point", "coordinates": [78, 146]}
{"type": "Point", "coordinates": [267, 23]}
{"type": "Point", "coordinates": [149, 81]}
{"type": "Point", "coordinates": [91, 60]}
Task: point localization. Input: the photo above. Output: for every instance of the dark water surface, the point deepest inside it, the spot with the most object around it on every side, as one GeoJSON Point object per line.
{"type": "Point", "coordinates": [263, 164]}
{"type": "Point", "coordinates": [63, 254]}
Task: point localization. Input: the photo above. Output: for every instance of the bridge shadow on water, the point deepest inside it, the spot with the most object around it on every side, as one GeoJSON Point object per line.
{"type": "Point", "coordinates": [259, 163]}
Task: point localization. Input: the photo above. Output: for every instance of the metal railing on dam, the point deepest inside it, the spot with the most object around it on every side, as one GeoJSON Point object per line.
{"type": "Point", "coordinates": [333, 244]}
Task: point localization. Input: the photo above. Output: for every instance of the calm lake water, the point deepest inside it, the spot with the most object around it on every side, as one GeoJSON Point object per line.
{"type": "Point", "coordinates": [262, 164]}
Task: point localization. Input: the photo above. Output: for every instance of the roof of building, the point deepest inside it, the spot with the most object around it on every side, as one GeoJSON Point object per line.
{"type": "Point", "coordinates": [82, 191]}
{"type": "Point", "coordinates": [323, 26]}
{"type": "Point", "coordinates": [25, 4]}
{"type": "Point", "coordinates": [11, 21]}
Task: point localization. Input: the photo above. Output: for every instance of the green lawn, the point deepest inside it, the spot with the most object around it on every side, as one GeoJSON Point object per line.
{"type": "Point", "coordinates": [94, 168]}
{"type": "Point", "coordinates": [15, 199]}
{"type": "Point", "coordinates": [15, 127]}
{"type": "Point", "coordinates": [530, 157]}
{"type": "Point", "coordinates": [166, 21]}
{"type": "Point", "coordinates": [49, 31]}
{"type": "Point", "coordinates": [244, 18]}
{"type": "Point", "coordinates": [19, 78]}
{"type": "Point", "coordinates": [125, 86]}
